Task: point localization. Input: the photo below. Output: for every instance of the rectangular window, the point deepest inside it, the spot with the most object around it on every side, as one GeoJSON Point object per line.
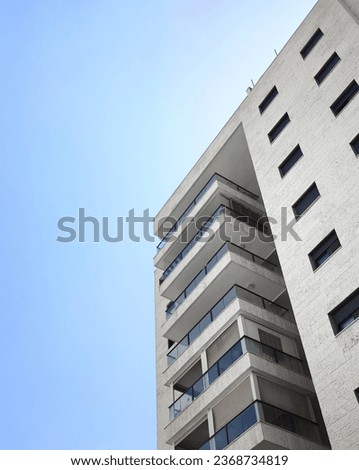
{"type": "Point", "coordinates": [327, 68]}
{"type": "Point", "coordinates": [305, 201]}
{"type": "Point", "coordinates": [311, 43]}
{"type": "Point", "coordinates": [356, 392]}
{"type": "Point", "coordinates": [343, 315]}
{"type": "Point", "coordinates": [267, 100]}
{"type": "Point", "coordinates": [290, 161]}
{"type": "Point", "coordinates": [270, 340]}
{"type": "Point", "coordinates": [277, 129]}
{"type": "Point", "coordinates": [347, 95]}
{"type": "Point", "coordinates": [355, 145]}
{"type": "Point", "coordinates": [324, 250]}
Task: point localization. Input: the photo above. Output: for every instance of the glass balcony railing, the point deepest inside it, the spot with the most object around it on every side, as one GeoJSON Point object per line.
{"type": "Point", "coordinates": [241, 213]}
{"type": "Point", "coordinates": [199, 327]}
{"type": "Point", "coordinates": [172, 306]}
{"type": "Point", "coordinates": [236, 292]}
{"type": "Point", "coordinates": [260, 411]}
{"type": "Point", "coordinates": [245, 344]}
{"type": "Point", "coordinates": [234, 353]}
{"type": "Point", "coordinates": [235, 428]}
{"type": "Point", "coordinates": [275, 355]}
{"type": "Point", "coordinates": [225, 248]}
{"type": "Point", "coordinates": [204, 190]}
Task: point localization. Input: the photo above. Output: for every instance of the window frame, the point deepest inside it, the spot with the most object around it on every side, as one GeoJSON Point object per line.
{"type": "Point", "coordinates": [344, 313]}
{"type": "Point", "coordinates": [341, 102]}
{"type": "Point", "coordinates": [352, 144]}
{"type": "Point", "coordinates": [311, 43]}
{"type": "Point", "coordinates": [268, 100]}
{"type": "Point", "coordinates": [288, 158]}
{"type": "Point", "coordinates": [320, 245]}
{"type": "Point", "coordinates": [278, 125]}
{"type": "Point", "coordinates": [302, 197]}
{"type": "Point", "coordinates": [269, 339]}
{"type": "Point", "coordinates": [327, 68]}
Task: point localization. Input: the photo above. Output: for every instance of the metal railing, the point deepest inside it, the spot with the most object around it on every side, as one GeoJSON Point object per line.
{"type": "Point", "coordinates": [247, 217]}
{"type": "Point", "coordinates": [172, 306]}
{"type": "Point", "coordinates": [236, 292]}
{"type": "Point", "coordinates": [234, 353]}
{"type": "Point", "coordinates": [245, 344]}
{"type": "Point", "coordinates": [206, 187]}
{"type": "Point", "coordinates": [225, 248]}
{"type": "Point", "coordinates": [215, 216]}
{"type": "Point", "coordinates": [261, 411]}
{"type": "Point", "coordinates": [275, 355]}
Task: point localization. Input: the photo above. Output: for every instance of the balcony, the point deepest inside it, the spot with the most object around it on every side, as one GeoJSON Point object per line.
{"type": "Point", "coordinates": [245, 344]}
{"type": "Point", "coordinates": [232, 268]}
{"type": "Point", "coordinates": [242, 214]}
{"type": "Point", "coordinates": [215, 178]}
{"type": "Point", "coordinates": [236, 292]}
{"type": "Point", "coordinates": [172, 306]}
{"type": "Point", "coordinates": [272, 415]}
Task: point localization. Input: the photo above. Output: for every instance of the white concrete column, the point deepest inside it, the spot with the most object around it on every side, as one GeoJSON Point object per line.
{"type": "Point", "coordinates": [241, 326]}
{"type": "Point", "coordinates": [254, 387]}
{"type": "Point", "coordinates": [172, 391]}
{"type": "Point", "coordinates": [256, 394]}
{"type": "Point", "coordinates": [204, 363]}
{"type": "Point", "coordinates": [210, 419]}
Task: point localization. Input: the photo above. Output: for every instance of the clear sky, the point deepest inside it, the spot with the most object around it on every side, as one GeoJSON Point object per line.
{"type": "Point", "coordinates": [106, 105]}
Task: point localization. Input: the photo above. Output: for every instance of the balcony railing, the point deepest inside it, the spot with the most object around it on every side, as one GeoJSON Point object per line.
{"type": "Point", "coordinates": [204, 190]}
{"type": "Point", "coordinates": [275, 355]}
{"type": "Point", "coordinates": [247, 216]}
{"type": "Point", "coordinates": [236, 292]}
{"type": "Point", "coordinates": [225, 248]}
{"type": "Point", "coordinates": [260, 411]}
{"type": "Point", "coordinates": [172, 306]}
{"type": "Point", "coordinates": [245, 344]}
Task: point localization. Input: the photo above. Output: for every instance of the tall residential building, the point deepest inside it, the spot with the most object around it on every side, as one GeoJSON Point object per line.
{"type": "Point", "coordinates": [257, 276]}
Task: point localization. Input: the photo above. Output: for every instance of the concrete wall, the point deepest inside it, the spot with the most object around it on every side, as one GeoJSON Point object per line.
{"type": "Point", "coordinates": [330, 162]}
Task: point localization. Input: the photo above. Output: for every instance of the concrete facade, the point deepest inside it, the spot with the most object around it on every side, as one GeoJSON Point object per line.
{"type": "Point", "coordinates": [276, 323]}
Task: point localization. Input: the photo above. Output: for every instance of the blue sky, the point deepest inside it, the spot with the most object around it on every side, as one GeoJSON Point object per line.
{"type": "Point", "coordinates": [106, 105]}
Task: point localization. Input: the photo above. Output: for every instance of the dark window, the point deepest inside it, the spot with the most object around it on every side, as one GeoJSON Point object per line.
{"type": "Point", "coordinates": [311, 43]}
{"type": "Point", "coordinates": [327, 68]}
{"type": "Point", "coordinates": [277, 129]}
{"type": "Point", "coordinates": [347, 95]}
{"type": "Point", "coordinates": [305, 201]}
{"type": "Point", "coordinates": [356, 391]}
{"type": "Point", "coordinates": [324, 250]}
{"type": "Point", "coordinates": [268, 99]}
{"type": "Point", "coordinates": [355, 145]}
{"type": "Point", "coordinates": [270, 340]}
{"type": "Point", "coordinates": [343, 315]}
{"type": "Point", "coordinates": [290, 161]}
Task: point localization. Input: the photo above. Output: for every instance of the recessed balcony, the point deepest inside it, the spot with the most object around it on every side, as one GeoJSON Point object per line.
{"type": "Point", "coordinates": [245, 344]}
{"type": "Point", "coordinates": [259, 411]}
{"type": "Point", "coordinates": [216, 178]}
{"type": "Point", "coordinates": [252, 413]}
{"type": "Point", "coordinates": [216, 321]}
{"type": "Point", "coordinates": [234, 266]}
{"type": "Point", "coordinates": [172, 306]}
{"type": "Point", "coordinates": [221, 191]}
{"type": "Point", "coordinates": [224, 225]}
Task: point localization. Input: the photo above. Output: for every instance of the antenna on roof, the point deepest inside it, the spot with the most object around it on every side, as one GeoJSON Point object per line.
{"type": "Point", "coordinates": [275, 50]}
{"type": "Point", "coordinates": [250, 88]}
